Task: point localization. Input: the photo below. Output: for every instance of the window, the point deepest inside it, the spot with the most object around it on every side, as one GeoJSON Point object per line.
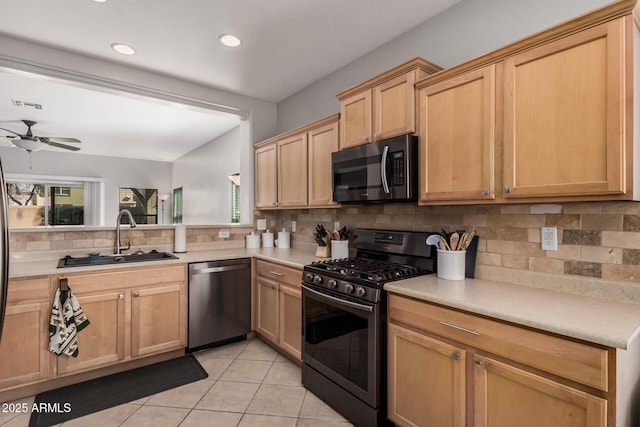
{"type": "Point", "coordinates": [33, 203]}
{"type": "Point", "coordinates": [177, 205]}
{"type": "Point", "coordinates": [141, 202]}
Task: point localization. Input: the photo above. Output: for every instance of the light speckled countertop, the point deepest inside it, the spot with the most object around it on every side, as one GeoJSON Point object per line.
{"type": "Point", "coordinates": [601, 321]}
{"type": "Point", "coordinates": [598, 320]}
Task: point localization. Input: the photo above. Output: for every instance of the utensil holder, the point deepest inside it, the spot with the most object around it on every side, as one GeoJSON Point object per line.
{"type": "Point", "coordinates": [339, 249]}
{"type": "Point", "coordinates": [451, 264]}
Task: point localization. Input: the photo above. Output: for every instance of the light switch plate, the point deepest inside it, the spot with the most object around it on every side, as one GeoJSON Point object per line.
{"type": "Point", "coordinates": [336, 225]}
{"type": "Point", "coordinates": [261, 224]}
{"type": "Point", "coordinates": [293, 226]}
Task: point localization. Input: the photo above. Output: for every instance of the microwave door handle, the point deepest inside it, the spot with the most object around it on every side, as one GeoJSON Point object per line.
{"type": "Point", "coordinates": [383, 169]}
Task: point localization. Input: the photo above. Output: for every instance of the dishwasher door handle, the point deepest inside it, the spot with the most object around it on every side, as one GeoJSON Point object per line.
{"type": "Point", "coordinates": [219, 269]}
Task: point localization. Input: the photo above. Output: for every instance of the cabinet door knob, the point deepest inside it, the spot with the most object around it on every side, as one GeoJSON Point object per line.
{"type": "Point", "coordinates": [375, 136]}
{"type": "Point", "coordinates": [120, 296]}
{"type": "Point", "coordinates": [477, 363]}
{"type": "Point", "coordinates": [365, 138]}
{"type": "Point", "coordinates": [136, 294]}
{"type": "Point", "coordinates": [485, 192]}
{"type": "Point", "coordinates": [275, 204]}
{"type": "Point", "coordinates": [507, 190]}
{"type": "Point", "coordinates": [455, 355]}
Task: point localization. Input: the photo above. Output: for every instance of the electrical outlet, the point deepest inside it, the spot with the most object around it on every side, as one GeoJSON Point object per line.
{"type": "Point", "coordinates": [549, 238]}
{"type": "Point", "coordinates": [336, 225]}
{"type": "Point", "coordinates": [261, 224]}
{"type": "Point", "coordinates": [223, 234]}
{"type": "Point", "coordinates": [293, 226]}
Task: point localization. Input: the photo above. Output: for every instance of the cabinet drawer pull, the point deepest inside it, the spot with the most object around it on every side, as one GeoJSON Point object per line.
{"type": "Point", "coordinates": [455, 355]}
{"type": "Point", "coordinates": [120, 296]}
{"type": "Point", "coordinates": [477, 363]}
{"type": "Point", "coordinates": [277, 273]}
{"type": "Point", "coordinates": [460, 328]}
{"type": "Point", "coordinates": [136, 294]}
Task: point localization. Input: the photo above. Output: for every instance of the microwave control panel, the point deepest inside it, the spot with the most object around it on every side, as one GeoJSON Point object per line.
{"type": "Point", "coordinates": [397, 168]}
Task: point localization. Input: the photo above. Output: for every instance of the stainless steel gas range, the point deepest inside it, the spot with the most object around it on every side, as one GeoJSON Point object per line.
{"type": "Point", "coordinates": [344, 320]}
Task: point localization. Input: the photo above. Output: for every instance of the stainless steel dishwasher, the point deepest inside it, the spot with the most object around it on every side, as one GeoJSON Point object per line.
{"type": "Point", "coordinates": [219, 302]}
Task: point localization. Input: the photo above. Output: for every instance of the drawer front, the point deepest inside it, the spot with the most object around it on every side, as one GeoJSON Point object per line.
{"type": "Point", "coordinates": [28, 290]}
{"type": "Point", "coordinates": [279, 273]}
{"type": "Point", "coordinates": [121, 279]}
{"type": "Point", "coordinates": [569, 359]}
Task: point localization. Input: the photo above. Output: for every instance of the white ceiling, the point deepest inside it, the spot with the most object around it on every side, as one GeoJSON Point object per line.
{"type": "Point", "coordinates": [287, 45]}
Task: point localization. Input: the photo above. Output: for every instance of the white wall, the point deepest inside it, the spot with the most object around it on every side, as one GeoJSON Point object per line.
{"type": "Point", "coordinates": [116, 172]}
{"type": "Point", "coordinates": [203, 175]}
{"type": "Point", "coordinates": [469, 29]}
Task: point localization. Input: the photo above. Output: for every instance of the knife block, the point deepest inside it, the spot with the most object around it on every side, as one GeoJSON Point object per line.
{"type": "Point", "coordinates": [324, 251]}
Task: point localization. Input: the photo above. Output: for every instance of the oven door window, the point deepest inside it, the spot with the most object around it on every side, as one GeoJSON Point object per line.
{"type": "Point", "coordinates": [339, 341]}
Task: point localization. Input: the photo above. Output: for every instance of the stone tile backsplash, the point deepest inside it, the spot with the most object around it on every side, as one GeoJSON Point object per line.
{"type": "Point", "coordinates": [595, 240]}
{"type": "Point", "coordinates": [53, 243]}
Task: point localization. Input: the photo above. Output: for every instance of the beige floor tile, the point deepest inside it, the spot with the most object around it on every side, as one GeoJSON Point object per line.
{"type": "Point", "coordinates": [252, 371]}
{"type": "Point", "coordinates": [198, 418]}
{"type": "Point", "coordinates": [16, 408]}
{"type": "Point", "coordinates": [257, 350]}
{"type": "Point", "coordinates": [140, 401]}
{"type": "Point", "coordinates": [314, 408]}
{"type": "Point", "coordinates": [156, 416]}
{"type": "Point", "coordinates": [215, 367]}
{"type": "Point", "coordinates": [185, 396]}
{"type": "Point", "coordinates": [284, 373]}
{"type": "Point", "coordinates": [228, 396]}
{"type": "Point", "coordinates": [305, 422]}
{"type": "Point", "coordinates": [229, 351]}
{"type": "Point", "coordinates": [19, 420]}
{"type": "Point", "coordinates": [109, 417]}
{"type": "Point", "coordinates": [280, 400]}
{"type": "Point", "coordinates": [251, 420]}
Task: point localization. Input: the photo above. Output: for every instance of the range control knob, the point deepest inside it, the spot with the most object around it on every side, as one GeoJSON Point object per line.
{"type": "Point", "coordinates": [333, 283]}
{"type": "Point", "coordinates": [308, 277]}
{"type": "Point", "coordinates": [349, 288]}
{"type": "Point", "coordinates": [317, 279]}
{"type": "Point", "coordinates": [360, 291]}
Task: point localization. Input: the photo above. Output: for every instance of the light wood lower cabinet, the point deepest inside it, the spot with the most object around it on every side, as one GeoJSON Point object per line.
{"type": "Point", "coordinates": [24, 355]}
{"type": "Point", "coordinates": [277, 306]}
{"type": "Point", "coordinates": [133, 314]}
{"type": "Point", "coordinates": [448, 368]}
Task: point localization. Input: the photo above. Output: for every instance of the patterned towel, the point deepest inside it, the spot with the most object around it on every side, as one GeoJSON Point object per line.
{"type": "Point", "coordinates": [67, 319]}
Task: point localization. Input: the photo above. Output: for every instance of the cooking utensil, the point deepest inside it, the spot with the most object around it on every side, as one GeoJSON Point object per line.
{"type": "Point", "coordinates": [455, 238]}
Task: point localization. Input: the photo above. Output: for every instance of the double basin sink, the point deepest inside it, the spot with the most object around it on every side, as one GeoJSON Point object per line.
{"type": "Point", "coordinates": [97, 259]}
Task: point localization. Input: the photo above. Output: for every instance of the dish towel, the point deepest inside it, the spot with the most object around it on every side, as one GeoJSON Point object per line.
{"type": "Point", "coordinates": [67, 319]}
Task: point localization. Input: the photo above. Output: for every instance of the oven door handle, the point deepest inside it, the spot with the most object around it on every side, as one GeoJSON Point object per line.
{"type": "Point", "coordinates": [383, 169]}
{"type": "Point", "coordinates": [338, 300]}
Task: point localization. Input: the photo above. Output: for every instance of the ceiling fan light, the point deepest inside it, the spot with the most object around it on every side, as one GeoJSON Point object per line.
{"type": "Point", "coordinates": [123, 48]}
{"type": "Point", "coordinates": [27, 144]}
{"type": "Point", "coordinates": [229, 40]}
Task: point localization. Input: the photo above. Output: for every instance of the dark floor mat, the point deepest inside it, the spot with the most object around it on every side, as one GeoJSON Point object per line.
{"type": "Point", "coordinates": [77, 400]}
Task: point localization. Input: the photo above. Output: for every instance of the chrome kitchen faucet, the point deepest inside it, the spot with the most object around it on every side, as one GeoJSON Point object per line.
{"type": "Point", "coordinates": [117, 249]}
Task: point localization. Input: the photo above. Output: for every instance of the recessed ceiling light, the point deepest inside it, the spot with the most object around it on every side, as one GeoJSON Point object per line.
{"type": "Point", "coordinates": [123, 48]}
{"type": "Point", "coordinates": [99, 1]}
{"type": "Point", "coordinates": [229, 40]}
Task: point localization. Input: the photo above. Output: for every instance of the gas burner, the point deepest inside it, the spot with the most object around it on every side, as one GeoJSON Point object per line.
{"type": "Point", "coordinates": [367, 269]}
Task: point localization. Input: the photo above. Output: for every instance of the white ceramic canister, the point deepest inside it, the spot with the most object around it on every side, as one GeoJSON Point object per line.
{"type": "Point", "coordinates": [284, 239]}
{"type": "Point", "coordinates": [267, 239]}
{"type": "Point", "coordinates": [253, 241]}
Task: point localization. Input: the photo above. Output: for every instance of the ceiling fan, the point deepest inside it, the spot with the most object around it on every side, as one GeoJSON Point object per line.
{"type": "Point", "coordinates": [30, 142]}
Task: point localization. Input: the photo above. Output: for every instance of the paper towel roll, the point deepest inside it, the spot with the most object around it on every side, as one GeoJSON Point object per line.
{"type": "Point", "coordinates": [180, 238]}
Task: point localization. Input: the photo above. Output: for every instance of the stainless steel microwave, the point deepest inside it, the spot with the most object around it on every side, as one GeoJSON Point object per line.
{"type": "Point", "coordinates": [382, 171]}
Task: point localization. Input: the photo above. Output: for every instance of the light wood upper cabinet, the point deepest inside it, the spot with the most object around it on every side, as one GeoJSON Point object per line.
{"type": "Point", "coordinates": [457, 144]}
{"type": "Point", "coordinates": [564, 122]}
{"type": "Point", "coordinates": [293, 170]}
{"type": "Point", "coordinates": [266, 176]}
{"type": "Point", "coordinates": [383, 106]}
{"type": "Point", "coordinates": [322, 142]}
{"type": "Point", "coordinates": [24, 349]}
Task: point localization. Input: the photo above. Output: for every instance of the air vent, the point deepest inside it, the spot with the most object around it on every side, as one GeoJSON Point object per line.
{"type": "Point", "coordinates": [25, 104]}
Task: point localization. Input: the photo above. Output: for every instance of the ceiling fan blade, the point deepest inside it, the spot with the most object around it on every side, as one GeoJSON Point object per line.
{"type": "Point", "coordinates": [49, 138]}
{"type": "Point", "coordinates": [55, 144]}
{"type": "Point", "coordinates": [15, 133]}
